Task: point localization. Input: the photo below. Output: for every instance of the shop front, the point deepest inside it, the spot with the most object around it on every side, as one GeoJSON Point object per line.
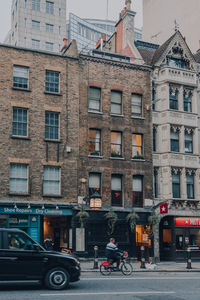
{"type": "Point", "coordinates": [177, 234]}
{"type": "Point", "coordinates": [39, 222]}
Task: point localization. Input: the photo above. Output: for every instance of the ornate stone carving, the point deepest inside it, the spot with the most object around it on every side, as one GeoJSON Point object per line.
{"type": "Point", "coordinates": [176, 171]}
{"type": "Point", "coordinates": [189, 130]}
{"type": "Point", "coordinates": [190, 172]}
{"type": "Point", "coordinates": [175, 128]}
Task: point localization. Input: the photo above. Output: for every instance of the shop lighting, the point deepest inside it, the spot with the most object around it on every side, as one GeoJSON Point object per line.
{"type": "Point", "coordinates": [42, 206]}
{"type": "Point", "coordinates": [57, 207]}
{"type": "Point", "coordinates": [28, 206]}
{"type": "Point", "coordinates": [15, 206]}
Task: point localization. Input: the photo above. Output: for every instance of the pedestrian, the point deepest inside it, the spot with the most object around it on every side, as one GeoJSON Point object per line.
{"type": "Point", "coordinates": [48, 244]}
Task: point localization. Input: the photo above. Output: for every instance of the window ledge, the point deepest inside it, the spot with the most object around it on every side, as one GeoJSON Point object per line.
{"type": "Point", "coordinates": [116, 115]}
{"type": "Point", "coordinates": [21, 89]}
{"type": "Point", "coordinates": [51, 93]}
{"type": "Point", "coordinates": [52, 196]}
{"type": "Point", "coordinates": [15, 137]}
{"type": "Point", "coordinates": [19, 194]}
{"type": "Point", "coordinates": [95, 156]}
{"type": "Point", "coordinates": [137, 117]}
{"type": "Point", "coordinates": [52, 141]}
{"type": "Point", "coordinates": [138, 159]}
{"type": "Point", "coordinates": [119, 158]}
{"type": "Point", "coordinates": [95, 112]}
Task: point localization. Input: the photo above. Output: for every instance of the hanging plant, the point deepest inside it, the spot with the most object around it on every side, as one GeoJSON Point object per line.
{"type": "Point", "coordinates": [83, 215]}
{"type": "Point", "coordinates": [153, 220]}
{"type": "Point", "coordinates": [111, 218]}
{"type": "Point", "coordinates": [132, 218]}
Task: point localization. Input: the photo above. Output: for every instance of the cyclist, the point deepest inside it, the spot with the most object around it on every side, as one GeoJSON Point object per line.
{"type": "Point", "coordinates": [113, 252]}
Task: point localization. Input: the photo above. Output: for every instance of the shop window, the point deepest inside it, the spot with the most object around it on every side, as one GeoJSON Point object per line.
{"type": "Point", "coordinates": [174, 140]}
{"type": "Point", "coordinates": [94, 183]}
{"type": "Point", "coordinates": [20, 122]}
{"type": "Point", "coordinates": [190, 186]}
{"type": "Point", "coordinates": [137, 145]}
{"type": "Point", "coordinates": [136, 105]}
{"type": "Point", "coordinates": [137, 188]}
{"type": "Point", "coordinates": [19, 178]}
{"type": "Point", "coordinates": [51, 181]}
{"type": "Point", "coordinates": [52, 82]}
{"type": "Point", "coordinates": [20, 77]}
{"type": "Point", "coordinates": [187, 101]}
{"type": "Point", "coordinates": [188, 142]}
{"type": "Point", "coordinates": [173, 99]}
{"type": "Point", "coordinates": [94, 142]}
{"type": "Point", "coordinates": [167, 238]}
{"type": "Point", "coordinates": [51, 125]}
{"type": "Point", "coordinates": [116, 102]}
{"type": "Point", "coordinates": [94, 99]}
{"type": "Point", "coordinates": [176, 189]}
{"type": "Point", "coordinates": [116, 144]}
{"type": "Point", "coordinates": [116, 190]}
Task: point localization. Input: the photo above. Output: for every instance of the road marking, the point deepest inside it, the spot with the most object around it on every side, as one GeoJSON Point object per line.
{"type": "Point", "coordinates": [109, 293]}
{"type": "Point", "coordinates": [137, 278]}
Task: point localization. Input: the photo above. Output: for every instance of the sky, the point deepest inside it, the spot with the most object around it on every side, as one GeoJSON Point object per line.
{"type": "Point", "coordinates": [95, 9]}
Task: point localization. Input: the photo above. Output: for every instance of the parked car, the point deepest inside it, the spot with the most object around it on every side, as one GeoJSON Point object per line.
{"type": "Point", "coordinates": [22, 259]}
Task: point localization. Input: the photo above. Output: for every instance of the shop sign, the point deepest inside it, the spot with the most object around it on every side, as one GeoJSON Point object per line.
{"type": "Point", "coordinates": [187, 222]}
{"type": "Point", "coordinates": [18, 221]}
{"type": "Point", "coordinates": [36, 211]}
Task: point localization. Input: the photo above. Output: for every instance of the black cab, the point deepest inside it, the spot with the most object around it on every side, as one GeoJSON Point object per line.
{"type": "Point", "coordinates": [23, 259]}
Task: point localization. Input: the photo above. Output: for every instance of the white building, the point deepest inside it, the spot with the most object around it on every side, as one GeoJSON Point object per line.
{"type": "Point", "coordinates": [38, 24]}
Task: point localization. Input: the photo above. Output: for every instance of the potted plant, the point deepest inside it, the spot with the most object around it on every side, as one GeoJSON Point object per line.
{"type": "Point", "coordinates": [115, 153]}
{"type": "Point", "coordinates": [132, 218]}
{"type": "Point", "coordinates": [83, 215]}
{"type": "Point", "coordinates": [111, 218]}
{"type": "Point", "coordinates": [153, 220]}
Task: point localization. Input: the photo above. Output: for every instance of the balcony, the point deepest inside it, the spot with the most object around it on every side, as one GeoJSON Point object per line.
{"type": "Point", "coordinates": [180, 76]}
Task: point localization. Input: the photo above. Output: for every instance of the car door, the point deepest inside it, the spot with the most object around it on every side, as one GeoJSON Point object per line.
{"type": "Point", "coordinates": [20, 259]}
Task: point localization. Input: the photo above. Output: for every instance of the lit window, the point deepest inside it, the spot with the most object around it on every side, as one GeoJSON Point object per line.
{"type": "Point", "coordinates": [35, 44]}
{"type": "Point", "coordinates": [36, 5]}
{"type": "Point", "coordinates": [19, 122]}
{"type": "Point", "coordinates": [137, 191]}
{"type": "Point", "coordinates": [19, 178]}
{"type": "Point", "coordinates": [94, 98]}
{"type": "Point", "coordinates": [51, 125]}
{"type": "Point", "coordinates": [116, 144]}
{"type": "Point", "coordinates": [50, 7]}
{"type": "Point", "coordinates": [137, 145]}
{"type": "Point", "coordinates": [136, 105]}
{"type": "Point", "coordinates": [35, 25]}
{"type": "Point", "coordinates": [116, 190]}
{"type": "Point", "coordinates": [51, 181]}
{"type": "Point", "coordinates": [49, 27]}
{"type": "Point", "coordinates": [52, 82]}
{"type": "Point", "coordinates": [116, 102]}
{"type": "Point", "coordinates": [49, 46]}
{"type": "Point", "coordinates": [20, 77]}
{"type": "Point", "coordinates": [94, 142]}
{"type": "Point", "coordinates": [94, 183]}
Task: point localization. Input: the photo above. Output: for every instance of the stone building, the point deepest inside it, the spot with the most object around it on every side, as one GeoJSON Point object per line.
{"type": "Point", "coordinates": [175, 145]}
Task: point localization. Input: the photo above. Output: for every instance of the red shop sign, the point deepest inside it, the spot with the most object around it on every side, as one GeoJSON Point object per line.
{"type": "Point", "coordinates": [187, 222]}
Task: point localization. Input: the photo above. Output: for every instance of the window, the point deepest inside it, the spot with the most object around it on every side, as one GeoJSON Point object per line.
{"type": "Point", "coordinates": [116, 102]}
{"type": "Point", "coordinates": [94, 142]}
{"type": "Point", "coordinates": [25, 21]}
{"type": "Point", "coordinates": [174, 140]}
{"type": "Point", "coordinates": [20, 77]}
{"type": "Point", "coordinates": [25, 3]}
{"type": "Point", "coordinates": [177, 63]}
{"type": "Point", "coordinates": [116, 144]}
{"type": "Point", "coordinates": [50, 7]}
{"type": "Point", "coordinates": [116, 190]}
{"type": "Point", "coordinates": [51, 181]}
{"type": "Point", "coordinates": [49, 46]}
{"type": "Point", "coordinates": [136, 105]}
{"type": "Point", "coordinates": [176, 192]}
{"type": "Point", "coordinates": [190, 186]}
{"type": "Point", "coordinates": [51, 125]}
{"type": "Point", "coordinates": [94, 98]}
{"type": "Point", "coordinates": [59, 12]}
{"type": "Point", "coordinates": [153, 98]}
{"type": "Point", "coordinates": [94, 183]}
{"type": "Point", "coordinates": [24, 41]}
{"type": "Point", "coordinates": [36, 5]}
{"type": "Point", "coordinates": [19, 178]}
{"type": "Point", "coordinates": [52, 82]}
{"type": "Point", "coordinates": [137, 191]}
{"type": "Point", "coordinates": [16, 5]}
{"type": "Point", "coordinates": [36, 44]}
{"type": "Point", "coordinates": [59, 30]}
{"type": "Point", "coordinates": [155, 183]}
{"type": "Point", "coordinates": [18, 241]}
{"type": "Point", "coordinates": [35, 25]}
{"type": "Point", "coordinates": [173, 99]}
{"type": "Point", "coordinates": [19, 122]}
{"type": "Point", "coordinates": [137, 148]}
{"type": "Point", "coordinates": [154, 138]}
{"type": "Point", "coordinates": [187, 101]}
{"type": "Point", "coordinates": [49, 27]}
{"type": "Point", "coordinates": [16, 27]}
{"type": "Point", "coordinates": [188, 142]}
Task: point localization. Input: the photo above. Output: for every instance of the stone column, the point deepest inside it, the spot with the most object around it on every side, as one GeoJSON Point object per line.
{"type": "Point", "coordinates": [182, 139]}
{"type": "Point", "coordinates": [156, 243]}
{"type": "Point", "coordinates": [180, 99]}
{"type": "Point", "coordinates": [183, 184]}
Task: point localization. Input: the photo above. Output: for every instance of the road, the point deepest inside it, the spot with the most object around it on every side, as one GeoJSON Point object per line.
{"type": "Point", "coordinates": [139, 286]}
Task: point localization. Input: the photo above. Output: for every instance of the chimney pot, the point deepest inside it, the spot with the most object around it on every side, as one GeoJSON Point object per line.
{"type": "Point", "coordinates": [65, 42]}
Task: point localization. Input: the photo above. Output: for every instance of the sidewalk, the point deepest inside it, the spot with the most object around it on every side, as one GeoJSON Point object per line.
{"type": "Point", "coordinates": [87, 266]}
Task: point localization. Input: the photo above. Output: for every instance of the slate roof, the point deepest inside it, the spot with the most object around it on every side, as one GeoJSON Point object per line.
{"type": "Point", "coordinates": [197, 56]}
{"type": "Point", "coordinates": [159, 52]}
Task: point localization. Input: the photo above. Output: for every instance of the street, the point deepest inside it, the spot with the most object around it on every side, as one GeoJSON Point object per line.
{"type": "Point", "coordinates": [139, 286]}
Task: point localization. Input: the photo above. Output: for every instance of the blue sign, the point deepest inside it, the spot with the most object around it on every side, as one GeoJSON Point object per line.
{"type": "Point", "coordinates": [36, 211]}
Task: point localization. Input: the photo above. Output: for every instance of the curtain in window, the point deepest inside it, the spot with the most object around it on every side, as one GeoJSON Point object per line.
{"type": "Point", "coordinates": [116, 183]}
{"type": "Point", "coordinates": [94, 98]}
{"type": "Point", "coordinates": [94, 180]}
{"type": "Point", "coordinates": [137, 184]}
{"type": "Point", "coordinates": [116, 102]}
{"type": "Point", "coordinates": [18, 178]}
{"type": "Point", "coordinates": [136, 102]}
{"type": "Point", "coordinates": [51, 184]}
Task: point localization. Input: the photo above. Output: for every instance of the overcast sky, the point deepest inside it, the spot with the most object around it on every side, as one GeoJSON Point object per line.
{"type": "Point", "coordinates": [83, 8]}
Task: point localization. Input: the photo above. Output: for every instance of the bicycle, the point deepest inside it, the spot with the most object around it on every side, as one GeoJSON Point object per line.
{"type": "Point", "coordinates": [125, 267]}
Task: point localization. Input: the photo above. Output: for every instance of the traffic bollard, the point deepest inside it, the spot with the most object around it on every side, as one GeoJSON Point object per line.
{"type": "Point", "coordinates": [142, 258]}
{"type": "Point", "coordinates": [95, 257]}
{"type": "Point", "coordinates": [189, 260]}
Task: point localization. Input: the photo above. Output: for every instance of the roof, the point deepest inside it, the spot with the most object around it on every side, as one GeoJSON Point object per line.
{"type": "Point", "coordinates": [159, 52]}
{"type": "Point", "coordinates": [197, 56]}
{"type": "Point", "coordinates": [146, 50]}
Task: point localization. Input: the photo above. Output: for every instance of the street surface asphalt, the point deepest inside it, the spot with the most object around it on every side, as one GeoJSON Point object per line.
{"type": "Point", "coordinates": [138, 286]}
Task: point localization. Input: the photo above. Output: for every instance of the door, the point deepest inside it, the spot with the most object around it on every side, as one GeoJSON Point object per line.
{"type": "Point", "coordinates": [19, 260]}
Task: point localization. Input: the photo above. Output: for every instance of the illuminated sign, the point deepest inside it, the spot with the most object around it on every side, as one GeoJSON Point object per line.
{"type": "Point", "coordinates": [187, 222]}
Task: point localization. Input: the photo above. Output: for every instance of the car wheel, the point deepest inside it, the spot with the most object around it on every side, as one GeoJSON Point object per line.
{"type": "Point", "coordinates": [56, 279]}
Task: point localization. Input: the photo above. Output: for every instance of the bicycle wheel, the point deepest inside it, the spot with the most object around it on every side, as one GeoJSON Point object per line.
{"type": "Point", "coordinates": [105, 270]}
{"type": "Point", "coordinates": [126, 268]}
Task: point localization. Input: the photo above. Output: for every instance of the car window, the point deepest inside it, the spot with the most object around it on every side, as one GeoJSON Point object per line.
{"type": "Point", "coordinates": [19, 242]}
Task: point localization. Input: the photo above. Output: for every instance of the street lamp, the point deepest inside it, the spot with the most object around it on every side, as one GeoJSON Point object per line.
{"type": "Point", "coordinates": [95, 200]}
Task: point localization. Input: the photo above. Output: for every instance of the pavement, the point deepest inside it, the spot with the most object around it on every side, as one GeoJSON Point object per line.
{"type": "Point", "coordinates": [87, 265]}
